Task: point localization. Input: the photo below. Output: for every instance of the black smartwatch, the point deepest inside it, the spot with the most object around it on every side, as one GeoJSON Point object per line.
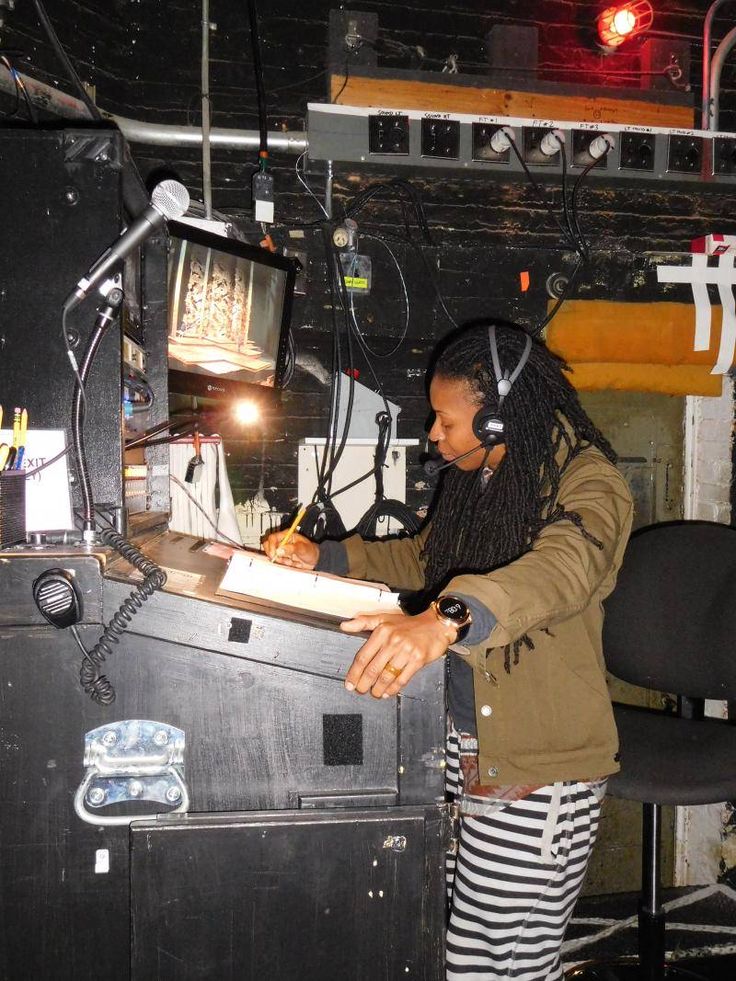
{"type": "Point", "coordinates": [453, 612]}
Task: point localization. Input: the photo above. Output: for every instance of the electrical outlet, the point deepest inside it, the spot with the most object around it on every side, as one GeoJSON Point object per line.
{"type": "Point", "coordinates": [441, 138]}
{"type": "Point", "coordinates": [724, 156]}
{"type": "Point", "coordinates": [532, 151]}
{"type": "Point", "coordinates": [581, 156]}
{"type": "Point", "coordinates": [482, 150]}
{"type": "Point", "coordinates": [388, 134]}
{"type": "Point", "coordinates": [685, 154]}
{"type": "Point", "coordinates": [637, 151]}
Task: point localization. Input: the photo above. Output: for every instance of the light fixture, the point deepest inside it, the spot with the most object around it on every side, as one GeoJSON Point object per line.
{"type": "Point", "coordinates": [624, 21]}
{"type": "Point", "coordinates": [246, 413]}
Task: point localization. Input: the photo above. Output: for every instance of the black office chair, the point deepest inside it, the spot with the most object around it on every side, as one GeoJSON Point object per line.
{"type": "Point", "coordinates": [670, 625]}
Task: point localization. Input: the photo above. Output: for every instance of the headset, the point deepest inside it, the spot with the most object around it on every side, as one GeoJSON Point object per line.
{"type": "Point", "coordinates": [488, 424]}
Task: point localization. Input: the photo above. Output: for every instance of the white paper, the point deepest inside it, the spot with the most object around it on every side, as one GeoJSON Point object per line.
{"type": "Point", "coordinates": [48, 505]}
{"type": "Point", "coordinates": [252, 574]}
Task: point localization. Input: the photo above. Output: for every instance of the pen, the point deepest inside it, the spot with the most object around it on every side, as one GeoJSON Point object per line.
{"type": "Point", "coordinates": [292, 528]}
{"type": "Point", "coordinates": [4, 450]}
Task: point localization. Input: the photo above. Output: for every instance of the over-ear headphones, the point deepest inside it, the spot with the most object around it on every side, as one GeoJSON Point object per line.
{"type": "Point", "coordinates": [488, 424]}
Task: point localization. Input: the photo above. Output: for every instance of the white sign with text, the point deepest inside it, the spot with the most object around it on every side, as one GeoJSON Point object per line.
{"type": "Point", "coordinates": [48, 504]}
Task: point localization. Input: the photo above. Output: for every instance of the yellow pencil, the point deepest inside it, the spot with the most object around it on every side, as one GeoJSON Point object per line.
{"type": "Point", "coordinates": [16, 426]}
{"type": "Point", "coordinates": [292, 528]}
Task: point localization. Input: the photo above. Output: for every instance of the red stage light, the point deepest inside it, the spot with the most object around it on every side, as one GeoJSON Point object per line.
{"type": "Point", "coordinates": [618, 24]}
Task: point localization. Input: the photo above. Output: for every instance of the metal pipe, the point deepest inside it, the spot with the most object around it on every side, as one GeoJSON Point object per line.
{"type": "Point", "coordinates": [159, 134]}
{"type": "Point", "coordinates": [721, 53]}
{"type": "Point", "coordinates": [152, 134]}
{"type": "Point", "coordinates": [206, 156]}
{"type": "Point", "coordinates": [705, 118]}
{"type": "Point", "coordinates": [44, 96]}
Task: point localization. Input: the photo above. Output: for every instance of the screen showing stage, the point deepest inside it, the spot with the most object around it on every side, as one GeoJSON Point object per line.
{"type": "Point", "coordinates": [229, 311]}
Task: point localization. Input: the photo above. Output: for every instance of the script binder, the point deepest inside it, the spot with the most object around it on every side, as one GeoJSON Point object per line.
{"type": "Point", "coordinates": [252, 574]}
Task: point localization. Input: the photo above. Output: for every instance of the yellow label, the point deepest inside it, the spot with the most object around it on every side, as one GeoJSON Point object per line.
{"type": "Point", "coordinates": [357, 282]}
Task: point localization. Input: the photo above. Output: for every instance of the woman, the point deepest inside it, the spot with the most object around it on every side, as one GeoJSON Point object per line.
{"type": "Point", "coordinates": [524, 542]}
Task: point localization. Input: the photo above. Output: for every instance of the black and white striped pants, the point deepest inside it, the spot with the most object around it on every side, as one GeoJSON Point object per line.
{"type": "Point", "coordinates": [515, 880]}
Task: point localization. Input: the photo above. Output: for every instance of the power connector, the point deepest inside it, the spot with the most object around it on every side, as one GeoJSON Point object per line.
{"type": "Point", "coordinates": [262, 190]}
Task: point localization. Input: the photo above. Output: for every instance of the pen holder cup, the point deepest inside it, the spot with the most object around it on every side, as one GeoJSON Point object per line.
{"type": "Point", "coordinates": [12, 507]}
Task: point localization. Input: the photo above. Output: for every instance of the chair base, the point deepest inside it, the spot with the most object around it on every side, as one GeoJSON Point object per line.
{"type": "Point", "coordinates": [692, 969]}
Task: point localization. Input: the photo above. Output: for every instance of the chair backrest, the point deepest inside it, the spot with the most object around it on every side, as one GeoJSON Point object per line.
{"type": "Point", "coordinates": [670, 623]}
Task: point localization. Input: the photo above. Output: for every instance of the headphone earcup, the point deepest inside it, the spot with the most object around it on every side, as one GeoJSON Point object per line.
{"type": "Point", "coordinates": [488, 427]}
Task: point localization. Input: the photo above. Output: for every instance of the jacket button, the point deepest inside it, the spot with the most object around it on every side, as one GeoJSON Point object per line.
{"type": "Point", "coordinates": [486, 710]}
{"type": "Point", "coordinates": [493, 772]}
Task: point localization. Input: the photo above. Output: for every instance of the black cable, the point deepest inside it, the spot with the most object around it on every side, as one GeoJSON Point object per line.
{"type": "Point", "coordinates": [289, 361]}
{"type": "Point", "coordinates": [97, 686]}
{"type": "Point", "coordinates": [14, 75]}
{"type": "Point", "coordinates": [146, 438]}
{"type": "Point", "coordinates": [403, 187]}
{"type": "Point", "coordinates": [69, 353]}
{"type": "Point", "coordinates": [565, 295]}
{"type": "Point", "coordinates": [20, 89]}
{"type": "Point", "coordinates": [368, 525]}
{"type": "Point", "coordinates": [47, 463]}
{"type": "Point", "coordinates": [574, 203]}
{"type": "Point", "coordinates": [321, 520]}
{"type": "Point", "coordinates": [68, 67]}
{"type": "Point", "coordinates": [382, 507]}
{"type": "Point", "coordinates": [103, 321]}
{"type": "Point", "coordinates": [538, 191]}
{"type": "Point", "coordinates": [565, 208]}
{"type": "Point", "coordinates": [333, 451]}
{"type": "Point", "coordinates": [260, 90]}
{"type": "Point", "coordinates": [345, 82]}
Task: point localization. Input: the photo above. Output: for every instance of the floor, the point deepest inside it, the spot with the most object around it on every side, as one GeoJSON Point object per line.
{"type": "Point", "coordinates": [701, 922]}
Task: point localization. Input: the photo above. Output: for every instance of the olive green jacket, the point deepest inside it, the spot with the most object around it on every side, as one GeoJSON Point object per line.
{"type": "Point", "coordinates": [549, 718]}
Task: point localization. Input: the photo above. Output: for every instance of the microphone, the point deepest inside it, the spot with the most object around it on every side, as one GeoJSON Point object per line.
{"type": "Point", "coordinates": [169, 199]}
{"type": "Point", "coordinates": [435, 464]}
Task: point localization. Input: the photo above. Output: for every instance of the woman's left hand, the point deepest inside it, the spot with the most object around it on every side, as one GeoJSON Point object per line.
{"type": "Point", "coordinates": [397, 648]}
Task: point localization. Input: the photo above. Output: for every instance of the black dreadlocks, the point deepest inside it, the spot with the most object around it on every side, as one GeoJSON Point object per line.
{"type": "Point", "coordinates": [480, 525]}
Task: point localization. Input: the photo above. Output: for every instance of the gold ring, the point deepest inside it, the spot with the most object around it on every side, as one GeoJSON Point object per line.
{"type": "Point", "coordinates": [392, 669]}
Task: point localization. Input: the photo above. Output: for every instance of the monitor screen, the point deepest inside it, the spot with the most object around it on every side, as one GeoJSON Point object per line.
{"type": "Point", "coordinates": [229, 312]}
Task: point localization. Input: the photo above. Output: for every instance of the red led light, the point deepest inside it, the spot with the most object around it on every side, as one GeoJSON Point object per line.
{"type": "Point", "coordinates": [618, 24]}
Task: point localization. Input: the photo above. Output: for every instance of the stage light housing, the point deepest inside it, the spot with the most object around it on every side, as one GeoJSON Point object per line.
{"type": "Point", "coordinates": [624, 21]}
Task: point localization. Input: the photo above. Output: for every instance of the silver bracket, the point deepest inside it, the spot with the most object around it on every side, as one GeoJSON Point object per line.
{"type": "Point", "coordinates": [133, 760]}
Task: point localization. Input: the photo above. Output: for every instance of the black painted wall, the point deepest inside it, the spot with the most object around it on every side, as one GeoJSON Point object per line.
{"type": "Point", "coordinates": [143, 59]}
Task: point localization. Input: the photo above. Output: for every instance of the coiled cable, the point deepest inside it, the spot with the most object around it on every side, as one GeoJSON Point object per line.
{"type": "Point", "coordinates": [96, 684]}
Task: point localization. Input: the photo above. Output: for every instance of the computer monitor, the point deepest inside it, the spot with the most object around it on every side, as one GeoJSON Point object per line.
{"type": "Point", "coordinates": [229, 315]}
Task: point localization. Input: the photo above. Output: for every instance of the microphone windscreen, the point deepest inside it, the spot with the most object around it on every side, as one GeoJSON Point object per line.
{"type": "Point", "coordinates": [433, 466]}
{"type": "Point", "coordinates": [171, 198]}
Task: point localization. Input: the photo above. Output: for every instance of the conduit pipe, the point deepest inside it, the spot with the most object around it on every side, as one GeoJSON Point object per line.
{"type": "Point", "coordinates": [153, 134]}
{"type": "Point", "coordinates": [206, 156]}
{"type": "Point", "coordinates": [721, 53]}
{"type": "Point", "coordinates": [706, 120]}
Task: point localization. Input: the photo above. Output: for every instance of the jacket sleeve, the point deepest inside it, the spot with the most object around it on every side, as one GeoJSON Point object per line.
{"type": "Point", "coordinates": [398, 562]}
{"type": "Point", "coordinates": [557, 578]}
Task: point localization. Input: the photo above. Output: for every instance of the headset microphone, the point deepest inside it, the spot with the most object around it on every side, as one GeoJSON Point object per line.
{"type": "Point", "coordinates": [433, 466]}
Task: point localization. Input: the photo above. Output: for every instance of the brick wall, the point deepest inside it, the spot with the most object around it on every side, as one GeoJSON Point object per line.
{"type": "Point", "coordinates": [143, 59]}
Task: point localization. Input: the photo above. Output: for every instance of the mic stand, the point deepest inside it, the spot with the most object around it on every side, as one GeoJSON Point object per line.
{"type": "Point", "coordinates": [105, 318]}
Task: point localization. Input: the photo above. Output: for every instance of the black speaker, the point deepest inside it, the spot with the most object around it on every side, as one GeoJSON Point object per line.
{"type": "Point", "coordinates": [62, 207]}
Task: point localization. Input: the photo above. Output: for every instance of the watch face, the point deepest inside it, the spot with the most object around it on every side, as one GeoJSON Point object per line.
{"type": "Point", "coordinates": [453, 609]}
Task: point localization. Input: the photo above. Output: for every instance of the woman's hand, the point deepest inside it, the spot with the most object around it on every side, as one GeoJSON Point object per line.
{"type": "Point", "coordinates": [298, 551]}
{"type": "Point", "coordinates": [402, 643]}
